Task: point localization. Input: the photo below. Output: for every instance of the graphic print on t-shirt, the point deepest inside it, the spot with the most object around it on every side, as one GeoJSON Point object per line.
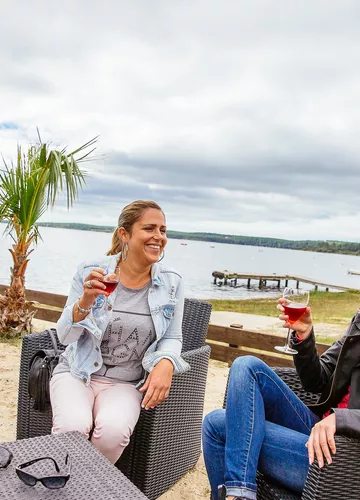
{"type": "Point", "coordinates": [105, 346]}
{"type": "Point", "coordinates": [130, 348]}
{"type": "Point", "coordinates": [128, 335]}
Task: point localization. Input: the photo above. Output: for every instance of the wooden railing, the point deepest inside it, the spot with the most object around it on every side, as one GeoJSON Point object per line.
{"type": "Point", "coordinates": [49, 305]}
{"type": "Point", "coordinates": [227, 343]}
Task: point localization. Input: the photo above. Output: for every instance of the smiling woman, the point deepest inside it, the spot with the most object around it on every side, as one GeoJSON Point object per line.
{"type": "Point", "coordinates": [141, 228]}
{"type": "Point", "coordinates": [123, 344]}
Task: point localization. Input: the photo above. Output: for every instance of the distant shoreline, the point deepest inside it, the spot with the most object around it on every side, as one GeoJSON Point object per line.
{"type": "Point", "coordinates": [336, 247]}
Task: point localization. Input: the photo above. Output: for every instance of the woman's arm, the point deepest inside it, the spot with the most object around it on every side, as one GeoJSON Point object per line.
{"type": "Point", "coordinates": [172, 339]}
{"type": "Point", "coordinates": [166, 360]}
{"type": "Point", "coordinates": [314, 371]}
{"type": "Point", "coordinates": [321, 442]}
{"type": "Point", "coordinates": [169, 346]}
{"type": "Point", "coordinates": [348, 422]}
{"type": "Point", "coordinates": [72, 321]}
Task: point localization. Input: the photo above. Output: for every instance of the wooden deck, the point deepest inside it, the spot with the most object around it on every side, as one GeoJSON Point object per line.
{"type": "Point", "coordinates": [226, 277]}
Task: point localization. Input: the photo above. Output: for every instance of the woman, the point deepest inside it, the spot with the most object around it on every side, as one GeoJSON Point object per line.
{"type": "Point", "coordinates": [122, 348]}
{"type": "Point", "coordinates": [267, 427]}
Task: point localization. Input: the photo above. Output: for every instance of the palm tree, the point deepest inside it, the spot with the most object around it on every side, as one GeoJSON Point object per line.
{"type": "Point", "coordinates": [27, 190]}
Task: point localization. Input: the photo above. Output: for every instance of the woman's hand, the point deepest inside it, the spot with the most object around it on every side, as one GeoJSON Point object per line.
{"type": "Point", "coordinates": [302, 326]}
{"type": "Point", "coordinates": [93, 286]}
{"type": "Point", "coordinates": [157, 385]}
{"type": "Point", "coordinates": [321, 441]}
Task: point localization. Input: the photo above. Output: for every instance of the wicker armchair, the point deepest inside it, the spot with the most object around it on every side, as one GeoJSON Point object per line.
{"type": "Point", "coordinates": [166, 442]}
{"type": "Point", "coordinates": [339, 480]}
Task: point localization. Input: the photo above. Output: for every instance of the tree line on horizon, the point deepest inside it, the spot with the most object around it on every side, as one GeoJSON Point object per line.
{"type": "Point", "coordinates": [325, 246]}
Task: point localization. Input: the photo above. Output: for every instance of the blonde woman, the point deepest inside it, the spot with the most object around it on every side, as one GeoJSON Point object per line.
{"type": "Point", "coordinates": [122, 347]}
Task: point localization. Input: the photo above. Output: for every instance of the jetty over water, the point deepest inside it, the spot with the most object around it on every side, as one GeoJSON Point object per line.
{"type": "Point", "coordinates": [231, 279]}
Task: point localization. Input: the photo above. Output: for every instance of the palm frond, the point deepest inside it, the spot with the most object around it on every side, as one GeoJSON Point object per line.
{"type": "Point", "coordinates": [33, 184]}
{"type": "Point", "coordinates": [88, 144]}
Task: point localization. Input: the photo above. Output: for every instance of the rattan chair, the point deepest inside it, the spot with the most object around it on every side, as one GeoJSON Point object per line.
{"type": "Point", "coordinates": [166, 442]}
{"type": "Point", "coordinates": [339, 480]}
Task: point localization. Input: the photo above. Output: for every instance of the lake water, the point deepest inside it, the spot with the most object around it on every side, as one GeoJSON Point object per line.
{"type": "Point", "coordinates": [54, 262]}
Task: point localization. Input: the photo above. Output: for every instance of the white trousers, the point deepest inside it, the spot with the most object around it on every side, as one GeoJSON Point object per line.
{"type": "Point", "coordinates": [112, 408]}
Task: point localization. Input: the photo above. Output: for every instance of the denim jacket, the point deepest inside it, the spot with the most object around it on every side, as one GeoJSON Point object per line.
{"type": "Point", "coordinates": [83, 339]}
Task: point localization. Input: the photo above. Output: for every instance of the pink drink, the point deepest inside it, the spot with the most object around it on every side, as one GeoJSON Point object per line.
{"type": "Point", "coordinates": [110, 285]}
{"type": "Point", "coordinates": [294, 311]}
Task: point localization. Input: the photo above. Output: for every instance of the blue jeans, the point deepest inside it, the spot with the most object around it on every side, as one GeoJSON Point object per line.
{"type": "Point", "coordinates": [265, 426]}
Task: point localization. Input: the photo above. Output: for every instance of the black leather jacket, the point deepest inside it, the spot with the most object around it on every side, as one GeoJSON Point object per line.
{"type": "Point", "coordinates": [331, 374]}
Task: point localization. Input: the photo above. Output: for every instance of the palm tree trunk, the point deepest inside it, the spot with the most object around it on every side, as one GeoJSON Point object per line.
{"type": "Point", "coordinates": [15, 312]}
{"type": "Point", "coordinates": [20, 255]}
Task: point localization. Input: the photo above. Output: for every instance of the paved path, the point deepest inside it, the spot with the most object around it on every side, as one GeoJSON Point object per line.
{"type": "Point", "coordinates": [267, 324]}
{"type": "Point", "coordinates": [249, 321]}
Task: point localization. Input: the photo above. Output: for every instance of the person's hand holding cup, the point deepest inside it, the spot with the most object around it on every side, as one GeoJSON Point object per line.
{"type": "Point", "coordinates": [302, 326]}
{"type": "Point", "coordinates": [98, 282]}
{"type": "Point", "coordinates": [101, 282]}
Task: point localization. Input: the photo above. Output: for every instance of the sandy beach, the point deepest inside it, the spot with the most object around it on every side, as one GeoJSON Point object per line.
{"type": "Point", "coordinates": [193, 485]}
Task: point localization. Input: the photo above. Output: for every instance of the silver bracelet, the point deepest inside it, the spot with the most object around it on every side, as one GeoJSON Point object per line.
{"type": "Point", "coordinates": [81, 309]}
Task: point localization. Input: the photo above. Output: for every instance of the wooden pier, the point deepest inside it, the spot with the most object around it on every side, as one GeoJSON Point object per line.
{"type": "Point", "coordinates": [232, 278]}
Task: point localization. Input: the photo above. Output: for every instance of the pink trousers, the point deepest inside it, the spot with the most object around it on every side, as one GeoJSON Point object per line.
{"type": "Point", "coordinates": [112, 408]}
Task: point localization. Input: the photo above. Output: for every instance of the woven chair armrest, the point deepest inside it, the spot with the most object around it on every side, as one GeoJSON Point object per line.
{"type": "Point", "coordinates": [341, 479]}
{"type": "Point", "coordinates": [186, 398]}
{"type": "Point", "coordinates": [292, 379]}
{"type": "Point", "coordinates": [194, 354]}
{"type": "Point", "coordinates": [185, 386]}
{"type": "Point", "coordinates": [31, 423]}
{"type": "Point", "coordinates": [168, 437]}
{"type": "Point", "coordinates": [41, 339]}
{"type": "Point", "coordinates": [195, 323]}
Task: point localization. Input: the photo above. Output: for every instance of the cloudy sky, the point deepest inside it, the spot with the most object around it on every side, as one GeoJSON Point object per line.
{"type": "Point", "coordinates": [237, 116]}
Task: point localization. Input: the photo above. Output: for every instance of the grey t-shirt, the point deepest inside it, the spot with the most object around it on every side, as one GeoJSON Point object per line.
{"type": "Point", "coordinates": [127, 336]}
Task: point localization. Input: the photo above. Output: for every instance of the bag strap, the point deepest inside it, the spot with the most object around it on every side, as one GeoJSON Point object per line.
{"type": "Point", "coordinates": [54, 343]}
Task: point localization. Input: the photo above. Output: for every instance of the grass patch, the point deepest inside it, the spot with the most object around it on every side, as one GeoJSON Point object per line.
{"type": "Point", "coordinates": [14, 341]}
{"type": "Point", "coordinates": [327, 307]}
{"type": "Point", "coordinates": [327, 340]}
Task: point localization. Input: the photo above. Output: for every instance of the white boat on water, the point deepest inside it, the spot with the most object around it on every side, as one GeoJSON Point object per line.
{"type": "Point", "coordinates": [353, 271]}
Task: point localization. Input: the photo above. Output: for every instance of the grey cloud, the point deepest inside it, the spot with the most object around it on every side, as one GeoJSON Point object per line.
{"type": "Point", "coordinates": [207, 202]}
{"type": "Point", "coordinates": [24, 80]}
{"type": "Point", "coordinates": [293, 172]}
{"type": "Point", "coordinates": [226, 112]}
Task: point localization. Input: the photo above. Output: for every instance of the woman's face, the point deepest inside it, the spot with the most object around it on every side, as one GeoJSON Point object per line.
{"type": "Point", "coordinates": [148, 237]}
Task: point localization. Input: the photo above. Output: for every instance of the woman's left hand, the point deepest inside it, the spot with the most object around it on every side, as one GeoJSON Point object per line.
{"type": "Point", "coordinates": [157, 385]}
{"type": "Point", "coordinates": [321, 441]}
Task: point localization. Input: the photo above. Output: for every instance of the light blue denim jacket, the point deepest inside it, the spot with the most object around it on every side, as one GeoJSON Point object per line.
{"type": "Point", "coordinates": [83, 339]}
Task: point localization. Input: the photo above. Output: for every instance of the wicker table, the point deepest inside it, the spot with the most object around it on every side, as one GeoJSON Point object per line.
{"type": "Point", "coordinates": [93, 477]}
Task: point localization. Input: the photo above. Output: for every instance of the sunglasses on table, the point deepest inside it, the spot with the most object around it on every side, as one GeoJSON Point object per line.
{"type": "Point", "coordinates": [5, 457]}
{"type": "Point", "coordinates": [50, 482]}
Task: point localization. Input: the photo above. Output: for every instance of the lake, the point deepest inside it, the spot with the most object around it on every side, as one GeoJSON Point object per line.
{"type": "Point", "coordinates": [54, 262]}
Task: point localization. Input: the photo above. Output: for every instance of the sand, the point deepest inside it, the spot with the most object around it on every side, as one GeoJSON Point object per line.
{"type": "Point", "coordinates": [193, 485]}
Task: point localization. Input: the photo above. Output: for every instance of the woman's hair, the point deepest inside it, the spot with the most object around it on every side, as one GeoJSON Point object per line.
{"type": "Point", "coordinates": [129, 215]}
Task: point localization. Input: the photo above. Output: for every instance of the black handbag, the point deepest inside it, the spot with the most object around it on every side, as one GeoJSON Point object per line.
{"type": "Point", "coordinates": [41, 367]}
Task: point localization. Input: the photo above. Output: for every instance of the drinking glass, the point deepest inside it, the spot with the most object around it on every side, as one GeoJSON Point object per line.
{"type": "Point", "coordinates": [111, 281]}
{"type": "Point", "coordinates": [295, 306]}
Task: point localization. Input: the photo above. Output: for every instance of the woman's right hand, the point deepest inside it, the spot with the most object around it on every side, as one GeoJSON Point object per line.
{"type": "Point", "coordinates": [94, 286]}
{"type": "Point", "coordinates": [302, 326]}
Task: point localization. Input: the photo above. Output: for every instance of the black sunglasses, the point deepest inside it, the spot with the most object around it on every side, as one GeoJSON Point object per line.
{"type": "Point", "coordinates": [50, 482]}
{"type": "Point", "coordinates": [5, 457]}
